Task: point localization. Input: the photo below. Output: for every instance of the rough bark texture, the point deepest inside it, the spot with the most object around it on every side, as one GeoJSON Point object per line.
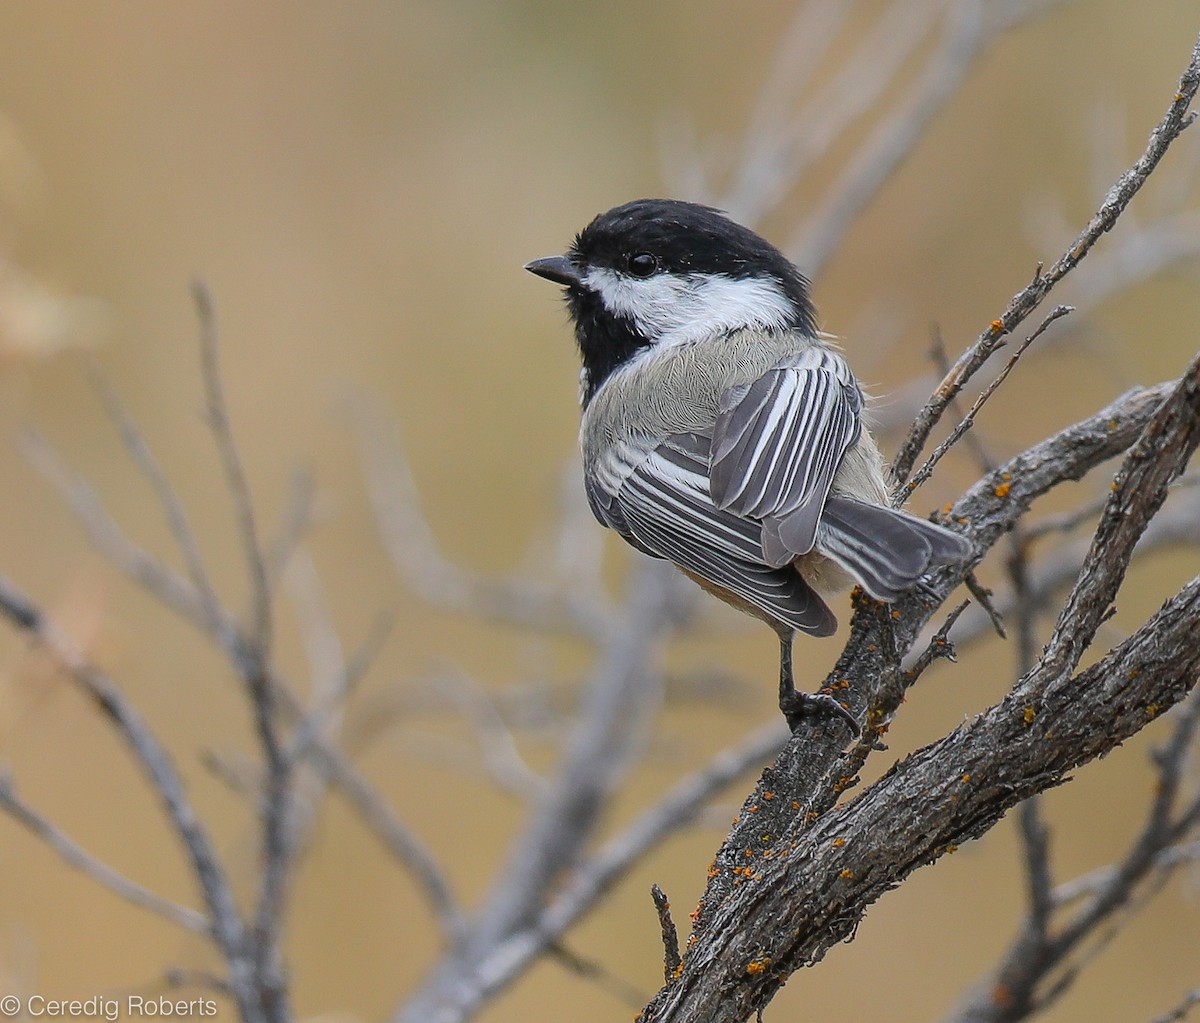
{"type": "Point", "coordinates": [797, 873]}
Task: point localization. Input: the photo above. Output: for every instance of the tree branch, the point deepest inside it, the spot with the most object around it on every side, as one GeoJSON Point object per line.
{"type": "Point", "coordinates": [741, 949]}
{"type": "Point", "coordinates": [1174, 122]}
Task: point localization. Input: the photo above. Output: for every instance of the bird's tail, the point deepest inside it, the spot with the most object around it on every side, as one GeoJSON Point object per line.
{"type": "Point", "coordinates": [887, 551]}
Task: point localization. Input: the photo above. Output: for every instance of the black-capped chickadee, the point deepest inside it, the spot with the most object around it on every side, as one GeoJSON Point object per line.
{"type": "Point", "coordinates": [722, 432]}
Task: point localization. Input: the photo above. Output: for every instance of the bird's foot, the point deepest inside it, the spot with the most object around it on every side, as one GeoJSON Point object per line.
{"type": "Point", "coordinates": [799, 708]}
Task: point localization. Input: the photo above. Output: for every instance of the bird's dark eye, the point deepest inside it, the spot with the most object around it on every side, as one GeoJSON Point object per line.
{"type": "Point", "coordinates": [642, 264]}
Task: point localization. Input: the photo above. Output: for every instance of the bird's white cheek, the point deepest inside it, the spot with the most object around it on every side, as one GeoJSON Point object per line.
{"type": "Point", "coordinates": [654, 304]}
{"type": "Point", "coordinates": [674, 309]}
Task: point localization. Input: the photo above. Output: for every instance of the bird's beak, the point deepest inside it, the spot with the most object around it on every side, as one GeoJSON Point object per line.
{"type": "Point", "coordinates": [558, 269]}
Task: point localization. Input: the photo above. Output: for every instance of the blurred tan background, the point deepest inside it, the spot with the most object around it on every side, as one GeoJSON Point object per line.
{"type": "Point", "coordinates": [359, 184]}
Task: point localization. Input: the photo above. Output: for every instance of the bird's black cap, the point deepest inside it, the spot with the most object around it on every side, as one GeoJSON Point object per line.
{"type": "Point", "coordinates": [650, 236]}
{"type": "Point", "coordinates": [686, 237]}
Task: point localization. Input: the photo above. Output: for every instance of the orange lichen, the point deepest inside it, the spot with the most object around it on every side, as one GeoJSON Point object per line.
{"type": "Point", "coordinates": [839, 842]}
{"type": "Point", "coordinates": [1002, 490]}
{"type": "Point", "coordinates": [847, 874]}
{"type": "Point", "coordinates": [758, 965]}
{"type": "Point", "coordinates": [997, 326]}
{"type": "Point", "coordinates": [1030, 714]}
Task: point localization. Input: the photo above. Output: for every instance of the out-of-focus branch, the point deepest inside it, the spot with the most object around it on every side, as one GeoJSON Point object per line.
{"type": "Point", "coordinates": [1032, 975]}
{"type": "Point", "coordinates": [168, 499]}
{"type": "Point", "coordinates": [576, 607]}
{"type": "Point", "coordinates": [227, 927]}
{"type": "Point", "coordinates": [98, 871]}
{"type": "Point", "coordinates": [782, 144]}
{"type": "Point", "coordinates": [604, 738]}
{"type": "Point", "coordinates": [972, 25]}
{"type": "Point", "coordinates": [1181, 1011]}
{"type": "Point", "coordinates": [177, 593]}
{"type": "Point", "coordinates": [599, 873]}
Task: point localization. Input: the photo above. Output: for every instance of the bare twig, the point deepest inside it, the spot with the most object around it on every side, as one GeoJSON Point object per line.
{"type": "Point", "coordinates": [168, 499]}
{"type": "Point", "coordinates": [1182, 1010]}
{"type": "Point", "coordinates": [173, 590]}
{"type": "Point", "coordinates": [254, 654]}
{"type": "Point", "coordinates": [599, 975]}
{"type": "Point", "coordinates": [227, 927]}
{"type": "Point", "coordinates": [1174, 122]}
{"type": "Point", "coordinates": [938, 648]}
{"type": "Point", "coordinates": [971, 26]}
{"type": "Point", "coordinates": [98, 871]}
{"type": "Point", "coordinates": [983, 598]}
{"type": "Point", "coordinates": [177, 593]}
{"type": "Point", "coordinates": [575, 609]}
{"type": "Point", "coordinates": [672, 960]}
{"type": "Point", "coordinates": [217, 414]}
{"type": "Point", "coordinates": [498, 747]}
{"type": "Point", "coordinates": [968, 420]}
{"type": "Point", "coordinates": [504, 962]}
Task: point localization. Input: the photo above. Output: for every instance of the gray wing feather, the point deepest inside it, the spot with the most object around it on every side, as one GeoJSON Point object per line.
{"type": "Point", "coordinates": [777, 445]}
{"type": "Point", "coordinates": [663, 507]}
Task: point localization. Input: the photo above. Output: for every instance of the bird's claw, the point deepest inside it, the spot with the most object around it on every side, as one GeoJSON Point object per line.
{"type": "Point", "coordinates": [799, 708]}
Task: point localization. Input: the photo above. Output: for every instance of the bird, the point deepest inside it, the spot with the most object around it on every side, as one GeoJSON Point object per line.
{"type": "Point", "coordinates": [723, 432]}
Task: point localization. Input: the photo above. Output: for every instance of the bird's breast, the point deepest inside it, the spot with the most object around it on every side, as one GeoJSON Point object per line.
{"type": "Point", "coordinates": [676, 388]}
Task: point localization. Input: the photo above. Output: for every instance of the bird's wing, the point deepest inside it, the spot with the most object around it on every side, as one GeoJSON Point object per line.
{"type": "Point", "coordinates": [658, 499]}
{"type": "Point", "coordinates": [778, 441]}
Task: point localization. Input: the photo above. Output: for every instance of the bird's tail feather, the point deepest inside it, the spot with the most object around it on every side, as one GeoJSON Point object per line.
{"type": "Point", "coordinates": [886, 550]}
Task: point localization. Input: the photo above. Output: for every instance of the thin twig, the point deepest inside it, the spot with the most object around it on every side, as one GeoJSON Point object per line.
{"type": "Point", "coordinates": [941, 361]}
{"type": "Point", "coordinates": [576, 608]}
{"type": "Point", "coordinates": [938, 648]}
{"type": "Point", "coordinates": [1182, 1010]}
{"type": "Point", "coordinates": [498, 746]}
{"type": "Point", "coordinates": [1174, 122]}
{"type": "Point", "coordinates": [971, 26]}
{"type": "Point", "coordinates": [672, 960]}
{"type": "Point", "coordinates": [97, 870]}
{"type": "Point", "coordinates": [168, 499]}
{"type": "Point", "coordinates": [227, 927]}
{"type": "Point", "coordinates": [217, 415]}
{"type": "Point", "coordinates": [296, 523]}
{"type": "Point", "coordinates": [601, 976]}
{"type": "Point", "coordinates": [253, 664]}
{"type": "Point", "coordinates": [172, 589]}
{"type": "Point", "coordinates": [983, 598]}
{"type": "Point", "coordinates": [968, 420]}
